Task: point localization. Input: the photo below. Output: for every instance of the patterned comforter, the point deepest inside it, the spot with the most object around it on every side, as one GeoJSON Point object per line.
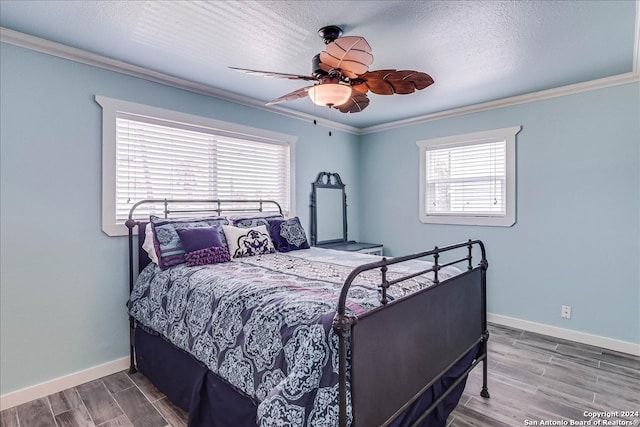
{"type": "Point", "coordinates": [263, 323]}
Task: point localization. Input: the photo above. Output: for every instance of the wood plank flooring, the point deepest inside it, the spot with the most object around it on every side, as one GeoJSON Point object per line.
{"type": "Point", "coordinates": [533, 380]}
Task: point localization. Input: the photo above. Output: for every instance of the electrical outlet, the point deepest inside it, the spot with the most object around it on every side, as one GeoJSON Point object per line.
{"type": "Point", "coordinates": [565, 312]}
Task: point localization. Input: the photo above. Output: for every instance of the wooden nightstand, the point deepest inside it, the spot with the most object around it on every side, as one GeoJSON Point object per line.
{"type": "Point", "coordinates": [364, 248]}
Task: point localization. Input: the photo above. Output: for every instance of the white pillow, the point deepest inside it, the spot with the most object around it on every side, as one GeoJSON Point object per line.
{"type": "Point", "coordinates": [148, 245]}
{"type": "Point", "coordinates": [248, 241]}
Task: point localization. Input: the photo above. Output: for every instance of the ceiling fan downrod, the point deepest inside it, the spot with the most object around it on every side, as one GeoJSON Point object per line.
{"type": "Point", "coordinates": [330, 33]}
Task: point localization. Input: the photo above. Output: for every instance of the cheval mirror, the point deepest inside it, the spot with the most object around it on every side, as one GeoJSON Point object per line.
{"type": "Point", "coordinates": [329, 217]}
{"type": "Point", "coordinates": [328, 210]}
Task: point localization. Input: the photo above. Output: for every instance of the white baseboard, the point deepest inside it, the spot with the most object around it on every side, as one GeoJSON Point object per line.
{"type": "Point", "coordinates": [567, 334]}
{"type": "Point", "coordinates": [56, 385]}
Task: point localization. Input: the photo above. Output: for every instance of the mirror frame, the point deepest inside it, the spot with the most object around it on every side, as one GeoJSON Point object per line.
{"type": "Point", "coordinates": [329, 180]}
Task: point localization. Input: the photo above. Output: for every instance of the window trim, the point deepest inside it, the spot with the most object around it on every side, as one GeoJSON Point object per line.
{"type": "Point", "coordinates": [507, 134]}
{"type": "Point", "coordinates": [111, 106]}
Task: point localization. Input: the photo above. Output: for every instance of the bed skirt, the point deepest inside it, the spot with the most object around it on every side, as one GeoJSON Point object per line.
{"type": "Point", "coordinates": [212, 402]}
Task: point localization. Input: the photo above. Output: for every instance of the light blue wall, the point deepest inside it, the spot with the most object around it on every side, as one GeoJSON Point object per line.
{"type": "Point", "coordinates": [63, 283]}
{"type": "Point", "coordinates": [576, 240]}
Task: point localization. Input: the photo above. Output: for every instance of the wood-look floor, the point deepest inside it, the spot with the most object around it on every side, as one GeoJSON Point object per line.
{"type": "Point", "coordinates": [533, 380]}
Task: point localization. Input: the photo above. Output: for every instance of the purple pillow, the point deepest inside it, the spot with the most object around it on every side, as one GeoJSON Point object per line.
{"type": "Point", "coordinates": [212, 255]}
{"type": "Point", "coordinates": [194, 239]}
{"type": "Point", "coordinates": [288, 235]}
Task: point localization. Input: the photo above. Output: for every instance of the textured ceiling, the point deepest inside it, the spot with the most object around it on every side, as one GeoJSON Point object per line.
{"type": "Point", "coordinates": [476, 51]}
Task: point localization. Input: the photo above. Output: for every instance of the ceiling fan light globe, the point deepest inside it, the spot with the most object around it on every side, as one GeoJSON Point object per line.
{"type": "Point", "coordinates": [330, 94]}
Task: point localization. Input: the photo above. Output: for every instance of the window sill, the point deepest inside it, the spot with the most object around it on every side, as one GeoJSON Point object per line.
{"type": "Point", "coordinates": [506, 221]}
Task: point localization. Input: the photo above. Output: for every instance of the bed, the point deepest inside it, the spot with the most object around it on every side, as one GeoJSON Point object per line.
{"type": "Point", "coordinates": [308, 336]}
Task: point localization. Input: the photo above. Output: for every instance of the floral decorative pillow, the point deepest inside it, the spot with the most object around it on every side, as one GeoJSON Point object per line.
{"type": "Point", "coordinates": [288, 235]}
{"type": "Point", "coordinates": [248, 241]}
{"type": "Point", "coordinates": [167, 242]}
{"type": "Point", "coordinates": [254, 221]}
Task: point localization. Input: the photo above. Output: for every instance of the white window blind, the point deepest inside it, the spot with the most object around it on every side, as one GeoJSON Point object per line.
{"type": "Point", "coordinates": [466, 179]}
{"type": "Point", "coordinates": [469, 179]}
{"type": "Point", "coordinates": [158, 159]}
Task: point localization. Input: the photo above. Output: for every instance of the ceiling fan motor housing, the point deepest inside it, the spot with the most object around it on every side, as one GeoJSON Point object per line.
{"type": "Point", "coordinates": [316, 71]}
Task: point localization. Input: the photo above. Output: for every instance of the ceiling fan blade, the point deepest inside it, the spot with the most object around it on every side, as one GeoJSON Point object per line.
{"type": "Point", "coordinates": [352, 55]}
{"type": "Point", "coordinates": [358, 102]}
{"type": "Point", "coordinates": [273, 74]}
{"type": "Point", "coordinates": [361, 87]}
{"type": "Point", "coordinates": [296, 94]}
{"type": "Point", "coordinates": [389, 82]}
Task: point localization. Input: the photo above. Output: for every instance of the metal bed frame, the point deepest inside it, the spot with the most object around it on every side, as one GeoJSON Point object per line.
{"type": "Point", "coordinates": [403, 346]}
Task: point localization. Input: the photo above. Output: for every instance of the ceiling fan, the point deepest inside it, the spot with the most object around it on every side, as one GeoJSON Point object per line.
{"type": "Point", "coordinates": [343, 77]}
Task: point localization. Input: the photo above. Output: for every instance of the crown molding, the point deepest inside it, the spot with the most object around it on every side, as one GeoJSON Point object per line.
{"type": "Point", "coordinates": [507, 102]}
{"type": "Point", "coordinates": [60, 50]}
{"type": "Point", "coordinates": [633, 76]}
{"type": "Point", "coordinates": [48, 47]}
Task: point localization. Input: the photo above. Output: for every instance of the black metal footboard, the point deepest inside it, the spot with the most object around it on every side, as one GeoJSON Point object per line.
{"type": "Point", "coordinates": [401, 348]}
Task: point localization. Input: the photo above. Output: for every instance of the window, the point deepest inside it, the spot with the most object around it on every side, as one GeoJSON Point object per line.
{"type": "Point", "coordinates": [151, 153]}
{"type": "Point", "coordinates": [469, 179]}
